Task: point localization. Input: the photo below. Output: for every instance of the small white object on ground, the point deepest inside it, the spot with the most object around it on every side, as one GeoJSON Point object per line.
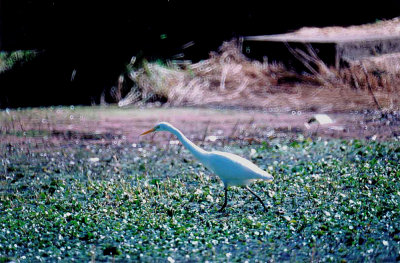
{"type": "Point", "coordinates": [323, 119]}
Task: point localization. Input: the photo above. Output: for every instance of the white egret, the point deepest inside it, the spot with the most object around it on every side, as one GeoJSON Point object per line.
{"type": "Point", "coordinates": [231, 168]}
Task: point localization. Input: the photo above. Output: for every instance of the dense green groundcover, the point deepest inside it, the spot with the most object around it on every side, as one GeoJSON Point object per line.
{"type": "Point", "coordinates": [330, 201]}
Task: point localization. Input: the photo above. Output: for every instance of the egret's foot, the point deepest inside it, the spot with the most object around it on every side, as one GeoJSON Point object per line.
{"type": "Point", "coordinates": [222, 208]}
{"type": "Point", "coordinates": [265, 208]}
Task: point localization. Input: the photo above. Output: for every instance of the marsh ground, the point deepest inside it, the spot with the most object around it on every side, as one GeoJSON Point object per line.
{"type": "Point", "coordinates": [79, 184]}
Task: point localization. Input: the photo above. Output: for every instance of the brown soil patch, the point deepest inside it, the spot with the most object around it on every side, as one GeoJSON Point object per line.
{"type": "Point", "coordinates": [118, 127]}
{"type": "Point", "coordinates": [386, 28]}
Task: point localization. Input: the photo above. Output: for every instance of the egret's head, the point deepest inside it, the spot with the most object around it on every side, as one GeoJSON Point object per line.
{"type": "Point", "coordinates": [162, 126]}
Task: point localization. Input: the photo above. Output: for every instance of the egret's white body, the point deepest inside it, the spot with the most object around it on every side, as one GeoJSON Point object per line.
{"type": "Point", "coordinates": [232, 169]}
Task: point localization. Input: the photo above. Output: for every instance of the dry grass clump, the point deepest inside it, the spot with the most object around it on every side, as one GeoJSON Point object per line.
{"type": "Point", "coordinates": [153, 82]}
{"type": "Point", "coordinates": [228, 78]}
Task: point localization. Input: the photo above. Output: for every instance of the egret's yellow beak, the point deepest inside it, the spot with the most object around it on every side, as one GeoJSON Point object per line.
{"type": "Point", "coordinates": [146, 132]}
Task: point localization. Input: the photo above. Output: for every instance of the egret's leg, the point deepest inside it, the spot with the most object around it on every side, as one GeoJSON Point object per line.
{"type": "Point", "coordinates": [259, 198]}
{"type": "Point", "coordinates": [226, 199]}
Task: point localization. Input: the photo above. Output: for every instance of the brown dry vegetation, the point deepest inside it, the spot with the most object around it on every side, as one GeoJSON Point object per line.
{"type": "Point", "coordinates": [228, 78]}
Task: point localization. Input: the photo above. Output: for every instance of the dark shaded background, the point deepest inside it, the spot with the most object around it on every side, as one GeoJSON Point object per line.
{"type": "Point", "coordinates": [98, 39]}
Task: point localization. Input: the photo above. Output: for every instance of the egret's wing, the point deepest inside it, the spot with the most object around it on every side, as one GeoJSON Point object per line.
{"type": "Point", "coordinates": [232, 167]}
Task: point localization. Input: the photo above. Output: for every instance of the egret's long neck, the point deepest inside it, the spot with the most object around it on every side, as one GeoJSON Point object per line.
{"type": "Point", "coordinates": [199, 153]}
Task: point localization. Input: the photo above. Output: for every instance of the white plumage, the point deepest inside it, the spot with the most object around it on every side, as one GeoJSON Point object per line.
{"type": "Point", "coordinates": [235, 170]}
{"type": "Point", "coordinates": [231, 168]}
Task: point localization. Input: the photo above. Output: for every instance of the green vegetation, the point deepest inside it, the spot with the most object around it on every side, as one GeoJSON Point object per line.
{"type": "Point", "coordinates": [10, 59]}
{"type": "Point", "coordinates": [331, 201]}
